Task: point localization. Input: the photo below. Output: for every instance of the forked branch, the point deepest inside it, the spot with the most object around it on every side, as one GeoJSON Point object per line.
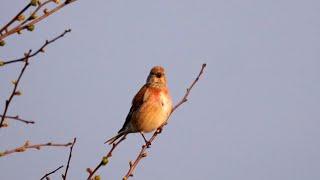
{"type": "Point", "coordinates": [24, 59]}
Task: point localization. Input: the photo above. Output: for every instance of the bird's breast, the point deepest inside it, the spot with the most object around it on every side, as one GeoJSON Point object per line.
{"type": "Point", "coordinates": [154, 112]}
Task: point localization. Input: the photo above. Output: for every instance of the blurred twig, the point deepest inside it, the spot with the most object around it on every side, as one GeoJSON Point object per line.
{"type": "Point", "coordinates": [64, 176]}
{"type": "Point", "coordinates": [32, 20]}
{"type": "Point", "coordinates": [27, 145]}
{"type": "Point", "coordinates": [46, 176]}
{"type": "Point", "coordinates": [143, 153]}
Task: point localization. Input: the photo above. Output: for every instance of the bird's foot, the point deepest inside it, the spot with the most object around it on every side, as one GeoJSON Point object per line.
{"type": "Point", "coordinates": [148, 143]}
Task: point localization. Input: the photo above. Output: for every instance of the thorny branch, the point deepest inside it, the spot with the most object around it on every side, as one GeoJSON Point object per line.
{"type": "Point", "coordinates": [64, 176]}
{"type": "Point", "coordinates": [105, 159]}
{"type": "Point", "coordinates": [143, 152]}
{"type": "Point", "coordinates": [46, 176]}
{"type": "Point", "coordinates": [27, 146]}
{"type": "Point", "coordinates": [25, 59]}
{"type": "Point", "coordinates": [5, 32]}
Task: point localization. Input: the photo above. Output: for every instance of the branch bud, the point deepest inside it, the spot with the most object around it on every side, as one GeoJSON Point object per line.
{"type": "Point", "coordinates": [89, 170]}
{"type": "Point", "coordinates": [2, 43]}
{"type": "Point", "coordinates": [26, 143]}
{"type": "Point", "coordinates": [20, 149]}
{"type": "Point", "coordinates": [30, 27]}
{"type": "Point", "coordinates": [14, 82]}
{"type": "Point", "coordinates": [4, 125]}
{"type": "Point", "coordinates": [45, 11]}
{"type": "Point", "coordinates": [34, 2]}
{"type": "Point", "coordinates": [1, 63]}
{"type": "Point", "coordinates": [56, 1]}
{"type": "Point", "coordinates": [97, 177]}
{"type": "Point", "coordinates": [17, 93]}
{"type": "Point", "coordinates": [33, 16]}
{"type": "Point", "coordinates": [21, 17]}
{"type": "Point", "coordinates": [104, 160]}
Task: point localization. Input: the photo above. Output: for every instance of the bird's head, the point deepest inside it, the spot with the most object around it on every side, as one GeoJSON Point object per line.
{"type": "Point", "coordinates": [157, 77]}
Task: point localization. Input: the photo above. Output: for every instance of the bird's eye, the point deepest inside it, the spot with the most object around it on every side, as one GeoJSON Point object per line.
{"type": "Point", "coordinates": [158, 75]}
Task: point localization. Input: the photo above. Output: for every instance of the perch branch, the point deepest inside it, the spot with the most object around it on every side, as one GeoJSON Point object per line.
{"type": "Point", "coordinates": [143, 153]}
{"type": "Point", "coordinates": [47, 175]}
{"type": "Point", "coordinates": [35, 146]}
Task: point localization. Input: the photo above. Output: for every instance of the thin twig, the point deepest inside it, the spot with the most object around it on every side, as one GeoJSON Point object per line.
{"type": "Point", "coordinates": [64, 176]}
{"type": "Point", "coordinates": [143, 153]}
{"type": "Point", "coordinates": [27, 145]}
{"type": "Point", "coordinates": [47, 175]}
{"type": "Point", "coordinates": [41, 49]}
{"type": "Point", "coordinates": [42, 4]}
{"type": "Point", "coordinates": [15, 18]}
{"type": "Point", "coordinates": [25, 25]}
{"type": "Point", "coordinates": [105, 159]}
{"type": "Point", "coordinates": [14, 91]}
{"type": "Point", "coordinates": [25, 59]}
{"type": "Point", "coordinates": [17, 118]}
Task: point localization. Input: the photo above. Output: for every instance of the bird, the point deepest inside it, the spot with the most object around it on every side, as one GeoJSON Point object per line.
{"type": "Point", "coordinates": [150, 107]}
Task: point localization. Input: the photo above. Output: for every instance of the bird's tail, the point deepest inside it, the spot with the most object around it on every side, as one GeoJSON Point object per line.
{"type": "Point", "coordinates": [113, 139]}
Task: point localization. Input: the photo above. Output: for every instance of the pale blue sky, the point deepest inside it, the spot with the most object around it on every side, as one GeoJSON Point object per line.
{"type": "Point", "coordinates": [253, 116]}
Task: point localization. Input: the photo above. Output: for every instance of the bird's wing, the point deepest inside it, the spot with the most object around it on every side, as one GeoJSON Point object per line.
{"type": "Point", "coordinates": [137, 101]}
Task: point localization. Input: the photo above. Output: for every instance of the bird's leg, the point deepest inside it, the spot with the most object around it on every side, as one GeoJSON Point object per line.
{"type": "Point", "coordinates": [148, 143]}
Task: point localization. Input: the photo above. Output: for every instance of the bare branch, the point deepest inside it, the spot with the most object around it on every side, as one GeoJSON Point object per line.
{"type": "Point", "coordinates": [184, 99]}
{"type": "Point", "coordinates": [25, 59]}
{"type": "Point", "coordinates": [64, 176]}
{"type": "Point", "coordinates": [47, 175]}
{"type": "Point", "coordinates": [143, 153]}
{"type": "Point", "coordinates": [25, 25]}
{"type": "Point", "coordinates": [17, 118]}
{"type": "Point", "coordinates": [41, 49]}
{"type": "Point", "coordinates": [15, 18]}
{"type": "Point", "coordinates": [105, 159]}
{"type": "Point", "coordinates": [27, 146]}
{"type": "Point", "coordinates": [14, 91]}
